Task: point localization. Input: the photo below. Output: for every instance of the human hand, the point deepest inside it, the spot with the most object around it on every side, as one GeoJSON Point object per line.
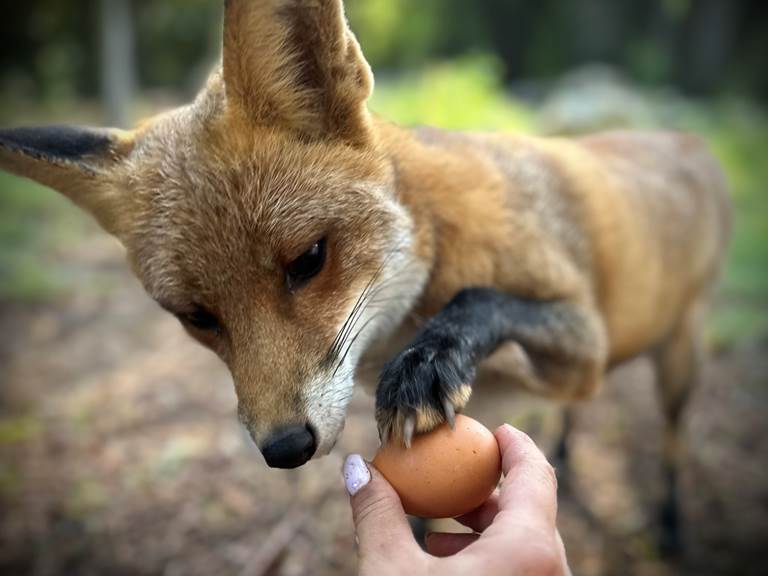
{"type": "Point", "coordinates": [514, 531]}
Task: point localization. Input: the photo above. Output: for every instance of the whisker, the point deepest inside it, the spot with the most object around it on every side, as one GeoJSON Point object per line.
{"type": "Point", "coordinates": [373, 302]}
{"type": "Point", "coordinates": [369, 298]}
{"type": "Point", "coordinates": [339, 337]}
{"type": "Point", "coordinates": [360, 300]}
{"type": "Point", "coordinates": [343, 333]}
{"type": "Point", "coordinates": [352, 341]}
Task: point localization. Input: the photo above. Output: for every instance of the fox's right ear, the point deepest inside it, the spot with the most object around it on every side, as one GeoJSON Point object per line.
{"type": "Point", "coordinates": [78, 162]}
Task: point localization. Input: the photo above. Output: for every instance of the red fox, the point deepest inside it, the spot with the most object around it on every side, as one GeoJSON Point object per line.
{"type": "Point", "coordinates": [296, 234]}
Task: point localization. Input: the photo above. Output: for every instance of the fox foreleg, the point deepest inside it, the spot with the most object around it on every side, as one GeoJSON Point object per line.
{"type": "Point", "coordinates": [559, 349]}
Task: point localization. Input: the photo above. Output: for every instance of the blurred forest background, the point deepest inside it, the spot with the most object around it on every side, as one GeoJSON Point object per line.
{"type": "Point", "coordinates": [76, 334]}
{"type": "Point", "coordinates": [545, 66]}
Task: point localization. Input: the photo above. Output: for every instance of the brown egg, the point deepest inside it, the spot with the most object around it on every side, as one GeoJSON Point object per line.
{"type": "Point", "coordinates": [445, 473]}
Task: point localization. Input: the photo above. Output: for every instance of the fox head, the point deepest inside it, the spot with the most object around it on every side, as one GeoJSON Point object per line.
{"type": "Point", "coordinates": [263, 215]}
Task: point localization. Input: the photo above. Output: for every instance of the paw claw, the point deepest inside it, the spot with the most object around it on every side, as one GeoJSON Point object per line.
{"type": "Point", "coordinates": [425, 385]}
{"type": "Point", "coordinates": [409, 426]}
{"type": "Point", "coordinates": [450, 413]}
{"type": "Point", "coordinates": [385, 432]}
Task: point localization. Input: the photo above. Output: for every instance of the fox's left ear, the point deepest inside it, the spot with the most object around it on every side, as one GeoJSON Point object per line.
{"type": "Point", "coordinates": [78, 162]}
{"type": "Point", "coordinates": [296, 64]}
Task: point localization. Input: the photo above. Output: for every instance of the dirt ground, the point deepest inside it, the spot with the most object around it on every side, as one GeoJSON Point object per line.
{"type": "Point", "coordinates": [120, 453]}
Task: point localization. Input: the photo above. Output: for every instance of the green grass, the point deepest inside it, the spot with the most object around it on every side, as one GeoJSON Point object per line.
{"type": "Point", "coordinates": [18, 429]}
{"type": "Point", "coordinates": [35, 223]}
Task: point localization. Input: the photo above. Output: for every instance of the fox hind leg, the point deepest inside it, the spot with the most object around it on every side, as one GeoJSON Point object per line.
{"type": "Point", "coordinates": [677, 362]}
{"type": "Point", "coordinates": [561, 458]}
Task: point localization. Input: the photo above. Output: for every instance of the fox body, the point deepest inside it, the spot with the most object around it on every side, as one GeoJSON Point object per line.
{"type": "Point", "coordinates": [300, 237]}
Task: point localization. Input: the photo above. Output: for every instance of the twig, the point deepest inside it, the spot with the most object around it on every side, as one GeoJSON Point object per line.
{"type": "Point", "coordinates": [263, 559]}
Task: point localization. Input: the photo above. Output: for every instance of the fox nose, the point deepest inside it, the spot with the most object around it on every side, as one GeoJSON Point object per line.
{"type": "Point", "coordinates": [289, 447]}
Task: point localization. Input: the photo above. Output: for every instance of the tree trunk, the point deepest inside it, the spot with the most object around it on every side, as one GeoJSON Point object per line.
{"type": "Point", "coordinates": [708, 38]}
{"type": "Point", "coordinates": [117, 61]}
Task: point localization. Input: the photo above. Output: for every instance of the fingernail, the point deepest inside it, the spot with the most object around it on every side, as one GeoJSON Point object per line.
{"type": "Point", "coordinates": [356, 473]}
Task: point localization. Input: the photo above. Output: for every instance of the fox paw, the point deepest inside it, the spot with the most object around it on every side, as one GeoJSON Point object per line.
{"type": "Point", "coordinates": [425, 385]}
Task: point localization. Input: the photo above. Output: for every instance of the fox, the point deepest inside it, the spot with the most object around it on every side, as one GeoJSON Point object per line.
{"type": "Point", "coordinates": [300, 237]}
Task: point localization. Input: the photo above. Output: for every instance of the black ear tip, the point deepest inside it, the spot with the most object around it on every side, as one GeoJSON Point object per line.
{"type": "Point", "coordinates": [67, 143]}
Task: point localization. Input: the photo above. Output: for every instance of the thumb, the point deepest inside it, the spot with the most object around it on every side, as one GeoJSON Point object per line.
{"type": "Point", "coordinates": [380, 522]}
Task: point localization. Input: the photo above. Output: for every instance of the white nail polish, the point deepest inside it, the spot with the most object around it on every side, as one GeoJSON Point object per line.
{"type": "Point", "coordinates": [356, 474]}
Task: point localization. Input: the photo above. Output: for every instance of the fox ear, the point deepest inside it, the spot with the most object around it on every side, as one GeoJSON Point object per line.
{"type": "Point", "coordinates": [295, 63]}
{"type": "Point", "coordinates": [78, 162]}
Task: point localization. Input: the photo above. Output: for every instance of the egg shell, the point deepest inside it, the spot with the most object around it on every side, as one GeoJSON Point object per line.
{"type": "Point", "coordinates": [445, 473]}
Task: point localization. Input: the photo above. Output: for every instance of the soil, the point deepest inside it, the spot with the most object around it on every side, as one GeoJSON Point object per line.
{"type": "Point", "coordinates": [120, 453]}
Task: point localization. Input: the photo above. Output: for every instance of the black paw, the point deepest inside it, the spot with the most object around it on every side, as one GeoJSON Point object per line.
{"type": "Point", "coordinates": [426, 384]}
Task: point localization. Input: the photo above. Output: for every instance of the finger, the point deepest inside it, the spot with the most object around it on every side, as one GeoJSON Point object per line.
{"type": "Point", "coordinates": [522, 537]}
{"type": "Point", "coordinates": [529, 489]}
{"type": "Point", "coordinates": [380, 522]}
{"type": "Point", "coordinates": [480, 518]}
{"type": "Point", "coordinates": [563, 557]}
{"type": "Point", "coordinates": [444, 544]}
{"type": "Point", "coordinates": [483, 516]}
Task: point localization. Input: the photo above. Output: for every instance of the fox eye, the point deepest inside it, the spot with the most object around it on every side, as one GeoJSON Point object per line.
{"type": "Point", "coordinates": [201, 319]}
{"type": "Point", "coordinates": [306, 266]}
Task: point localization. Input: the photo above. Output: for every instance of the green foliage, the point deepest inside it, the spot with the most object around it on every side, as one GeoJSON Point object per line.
{"type": "Point", "coordinates": [395, 32]}
{"type": "Point", "coordinates": [739, 135]}
{"type": "Point", "coordinates": [47, 50]}
{"type": "Point", "coordinates": [50, 49]}
{"type": "Point", "coordinates": [177, 41]}
{"type": "Point", "coordinates": [465, 93]}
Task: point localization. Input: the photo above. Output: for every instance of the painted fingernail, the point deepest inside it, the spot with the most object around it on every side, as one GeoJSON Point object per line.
{"type": "Point", "coordinates": [356, 473]}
